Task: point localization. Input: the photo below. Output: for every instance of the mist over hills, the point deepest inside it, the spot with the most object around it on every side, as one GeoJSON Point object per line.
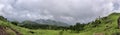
{"type": "Point", "coordinates": [46, 22]}
{"type": "Point", "coordinates": [51, 22]}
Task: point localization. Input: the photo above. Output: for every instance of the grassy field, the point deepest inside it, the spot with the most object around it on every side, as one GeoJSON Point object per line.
{"type": "Point", "coordinates": [26, 31]}
{"type": "Point", "coordinates": [107, 27]}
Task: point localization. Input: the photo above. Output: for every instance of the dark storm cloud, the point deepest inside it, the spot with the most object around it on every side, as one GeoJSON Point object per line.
{"type": "Point", "coordinates": [69, 11]}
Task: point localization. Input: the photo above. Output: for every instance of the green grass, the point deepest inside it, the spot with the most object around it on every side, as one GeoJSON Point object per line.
{"type": "Point", "coordinates": [109, 30]}
{"type": "Point", "coordinates": [10, 32]}
{"type": "Point", "coordinates": [26, 31]}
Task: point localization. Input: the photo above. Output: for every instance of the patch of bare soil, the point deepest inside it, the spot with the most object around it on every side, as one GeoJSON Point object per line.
{"type": "Point", "coordinates": [98, 34]}
{"type": "Point", "coordinates": [2, 31]}
{"type": "Point", "coordinates": [17, 33]}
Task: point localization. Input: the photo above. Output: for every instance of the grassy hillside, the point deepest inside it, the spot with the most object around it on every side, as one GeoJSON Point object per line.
{"type": "Point", "coordinates": [108, 26]}
{"type": "Point", "coordinates": [25, 31]}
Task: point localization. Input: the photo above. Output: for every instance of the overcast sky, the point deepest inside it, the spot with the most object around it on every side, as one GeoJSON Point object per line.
{"type": "Point", "coordinates": [69, 11]}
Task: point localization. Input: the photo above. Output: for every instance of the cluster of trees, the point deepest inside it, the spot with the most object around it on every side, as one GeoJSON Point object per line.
{"type": "Point", "coordinates": [96, 23]}
{"type": "Point", "coordinates": [78, 27]}
{"type": "Point", "coordinates": [33, 25]}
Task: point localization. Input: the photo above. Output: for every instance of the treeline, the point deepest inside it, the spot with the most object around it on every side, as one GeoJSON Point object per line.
{"type": "Point", "coordinates": [33, 25]}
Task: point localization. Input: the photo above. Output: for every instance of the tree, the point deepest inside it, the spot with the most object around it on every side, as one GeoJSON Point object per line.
{"type": "Point", "coordinates": [78, 27]}
{"type": "Point", "coordinates": [96, 23]}
{"type": "Point", "coordinates": [2, 18]}
{"type": "Point", "coordinates": [15, 22]}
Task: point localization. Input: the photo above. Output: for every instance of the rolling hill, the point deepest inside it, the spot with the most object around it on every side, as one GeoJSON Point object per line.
{"type": "Point", "coordinates": [108, 26]}
{"type": "Point", "coordinates": [51, 22]}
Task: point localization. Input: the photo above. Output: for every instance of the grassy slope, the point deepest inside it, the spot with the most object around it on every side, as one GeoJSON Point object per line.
{"type": "Point", "coordinates": [26, 31]}
{"type": "Point", "coordinates": [107, 27]}
{"type": "Point", "coordinates": [103, 28]}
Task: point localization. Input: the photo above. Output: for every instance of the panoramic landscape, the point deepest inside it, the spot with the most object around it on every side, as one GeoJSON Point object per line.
{"type": "Point", "coordinates": [59, 17]}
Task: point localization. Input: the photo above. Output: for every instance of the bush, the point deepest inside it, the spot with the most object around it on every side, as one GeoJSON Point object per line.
{"type": "Point", "coordinates": [10, 32]}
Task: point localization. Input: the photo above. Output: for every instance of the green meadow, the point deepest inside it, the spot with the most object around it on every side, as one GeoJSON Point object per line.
{"type": "Point", "coordinates": [107, 26]}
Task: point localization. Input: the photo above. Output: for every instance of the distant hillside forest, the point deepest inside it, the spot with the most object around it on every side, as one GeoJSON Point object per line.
{"type": "Point", "coordinates": [34, 25]}
{"type": "Point", "coordinates": [106, 25]}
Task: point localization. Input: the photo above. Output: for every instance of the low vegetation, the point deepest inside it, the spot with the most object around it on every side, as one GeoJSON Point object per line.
{"type": "Point", "coordinates": [101, 26]}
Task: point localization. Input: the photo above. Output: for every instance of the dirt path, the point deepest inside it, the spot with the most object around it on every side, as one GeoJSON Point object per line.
{"type": "Point", "coordinates": [2, 31]}
{"type": "Point", "coordinates": [17, 33]}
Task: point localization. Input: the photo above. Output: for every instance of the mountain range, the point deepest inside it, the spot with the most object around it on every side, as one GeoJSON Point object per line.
{"type": "Point", "coordinates": [51, 22]}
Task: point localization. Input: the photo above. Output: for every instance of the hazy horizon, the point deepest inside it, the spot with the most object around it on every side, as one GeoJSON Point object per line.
{"type": "Point", "coordinates": [69, 11]}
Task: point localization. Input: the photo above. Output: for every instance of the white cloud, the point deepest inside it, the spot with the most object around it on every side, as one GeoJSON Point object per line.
{"type": "Point", "coordinates": [62, 10]}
